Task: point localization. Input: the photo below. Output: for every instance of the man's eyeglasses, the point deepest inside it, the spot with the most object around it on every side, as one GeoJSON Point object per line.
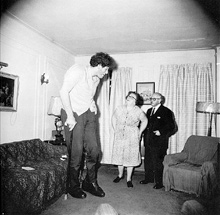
{"type": "Point", "coordinates": [154, 99]}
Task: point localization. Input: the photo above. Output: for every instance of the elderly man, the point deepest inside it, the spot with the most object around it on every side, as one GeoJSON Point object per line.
{"type": "Point", "coordinates": [161, 124]}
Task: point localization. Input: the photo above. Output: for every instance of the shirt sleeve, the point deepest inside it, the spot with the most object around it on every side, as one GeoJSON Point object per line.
{"type": "Point", "coordinates": [72, 77]}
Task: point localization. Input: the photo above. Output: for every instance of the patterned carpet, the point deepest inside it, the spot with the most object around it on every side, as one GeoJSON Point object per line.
{"type": "Point", "coordinates": [139, 200]}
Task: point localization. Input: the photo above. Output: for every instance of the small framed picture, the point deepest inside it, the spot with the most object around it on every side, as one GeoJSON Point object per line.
{"type": "Point", "coordinates": [8, 92]}
{"type": "Point", "coordinates": [145, 90]}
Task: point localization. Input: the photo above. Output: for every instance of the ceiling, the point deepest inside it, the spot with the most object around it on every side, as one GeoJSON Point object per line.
{"type": "Point", "coordinates": [84, 27]}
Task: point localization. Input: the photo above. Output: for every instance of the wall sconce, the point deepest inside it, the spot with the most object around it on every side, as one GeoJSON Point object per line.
{"type": "Point", "coordinates": [2, 64]}
{"type": "Point", "coordinates": [44, 79]}
{"type": "Point", "coordinates": [208, 107]}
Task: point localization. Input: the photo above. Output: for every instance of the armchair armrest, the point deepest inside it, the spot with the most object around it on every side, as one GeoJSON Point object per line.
{"type": "Point", "coordinates": [209, 167]}
{"type": "Point", "coordinates": [170, 160]}
{"type": "Point", "coordinates": [173, 159]}
{"type": "Point", "coordinates": [209, 182]}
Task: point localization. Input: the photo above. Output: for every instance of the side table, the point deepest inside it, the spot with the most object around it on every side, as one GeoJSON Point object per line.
{"type": "Point", "coordinates": [63, 143]}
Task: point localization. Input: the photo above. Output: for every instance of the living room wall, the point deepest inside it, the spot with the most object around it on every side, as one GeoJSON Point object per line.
{"type": "Point", "coordinates": [28, 56]}
{"type": "Point", "coordinates": [146, 66]}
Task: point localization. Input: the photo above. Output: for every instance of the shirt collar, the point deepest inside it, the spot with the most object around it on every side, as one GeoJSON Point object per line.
{"type": "Point", "coordinates": [156, 107]}
{"type": "Point", "coordinates": [89, 75]}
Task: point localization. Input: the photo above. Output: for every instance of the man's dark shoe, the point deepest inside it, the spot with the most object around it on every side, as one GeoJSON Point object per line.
{"type": "Point", "coordinates": [93, 188]}
{"type": "Point", "coordinates": [158, 186]}
{"type": "Point", "coordinates": [77, 193]}
{"type": "Point", "coordinates": [117, 179]}
{"type": "Point", "coordinates": [146, 181]}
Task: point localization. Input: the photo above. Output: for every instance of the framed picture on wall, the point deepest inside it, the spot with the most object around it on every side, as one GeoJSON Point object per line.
{"type": "Point", "coordinates": [145, 90]}
{"type": "Point", "coordinates": [8, 92]}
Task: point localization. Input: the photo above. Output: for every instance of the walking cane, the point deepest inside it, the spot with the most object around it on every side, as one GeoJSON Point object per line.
{"type": "Point", "coordinates": [68, 139]}
{"type": "Point", "coordinates": [68, 175]}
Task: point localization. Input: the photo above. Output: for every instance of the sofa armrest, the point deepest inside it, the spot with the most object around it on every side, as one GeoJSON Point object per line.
{"type": "Point", "coordinates": [56, 151]}
{"type": "Point", "coordinates": [173, 159]}
{"type": "Point", "coordinates": [9, 163]}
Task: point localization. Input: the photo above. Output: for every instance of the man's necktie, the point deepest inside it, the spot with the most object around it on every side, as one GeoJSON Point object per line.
{"type": "Point", "coordinates": [152, 112]}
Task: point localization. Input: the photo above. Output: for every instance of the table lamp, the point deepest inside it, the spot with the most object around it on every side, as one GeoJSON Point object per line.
{"type": "Point", "coordinates": [211, 108]}
{"type": "Point", "coordinates": [55, 110]}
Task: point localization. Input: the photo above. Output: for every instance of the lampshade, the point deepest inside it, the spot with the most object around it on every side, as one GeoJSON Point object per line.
{"type": "Point", "coordinates": [55, 106]}
{"type": "Point", "coordinates": [208, 107]}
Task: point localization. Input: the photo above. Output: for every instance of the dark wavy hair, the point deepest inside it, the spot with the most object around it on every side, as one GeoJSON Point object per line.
{"type": "Point", "coordinates": [138, 101]}
{"type": "Point", "coordinates": [104, 60]}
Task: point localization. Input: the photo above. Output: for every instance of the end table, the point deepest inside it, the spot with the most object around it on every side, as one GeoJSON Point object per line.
{"type": "Point", "coordinates": [63, 143]}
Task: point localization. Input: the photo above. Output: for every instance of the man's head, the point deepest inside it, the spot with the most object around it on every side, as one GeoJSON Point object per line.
{"type": "Point", "coordinates": [103, 62]}
{"type": "Point", "coordinates": [157, 99]}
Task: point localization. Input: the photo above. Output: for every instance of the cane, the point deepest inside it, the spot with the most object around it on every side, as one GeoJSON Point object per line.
{"type": "Point", "coordinates": [68, 174]}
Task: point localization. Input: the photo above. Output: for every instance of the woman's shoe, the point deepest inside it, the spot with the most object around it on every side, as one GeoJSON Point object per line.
{"type": "Point", "coordinates": [117, 179]}
{"type": "Point", "coordinates": [129, 184]}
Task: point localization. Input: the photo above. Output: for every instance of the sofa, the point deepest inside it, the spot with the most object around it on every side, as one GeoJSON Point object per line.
{"type": "Point", "coordinates": [33, 175]}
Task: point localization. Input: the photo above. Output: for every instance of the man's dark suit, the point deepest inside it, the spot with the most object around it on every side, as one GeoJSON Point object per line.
{"type": "Point", "coordinates": [156, 146]}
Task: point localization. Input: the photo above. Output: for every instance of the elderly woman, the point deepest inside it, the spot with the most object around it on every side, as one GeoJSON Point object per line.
{"type": "Point", "coordinates": [128, 122]}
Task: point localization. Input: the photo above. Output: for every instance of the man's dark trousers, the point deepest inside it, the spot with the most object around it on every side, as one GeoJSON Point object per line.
{"type": "Point", "coordinates": [83, 138]}
{"type": "Point", "coordinates": [153, 164]}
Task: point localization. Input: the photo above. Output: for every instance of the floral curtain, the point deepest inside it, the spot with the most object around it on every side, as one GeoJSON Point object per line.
{"type": "Point", "coordinates": [183, 86]}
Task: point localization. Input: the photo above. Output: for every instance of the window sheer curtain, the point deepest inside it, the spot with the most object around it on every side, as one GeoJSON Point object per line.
{"type": "Point", "coordinates": [103, 116]}
{"type": "Point", "coordinates": [107, 101]}
{"type": "Point", "coordinates": [184, 85]}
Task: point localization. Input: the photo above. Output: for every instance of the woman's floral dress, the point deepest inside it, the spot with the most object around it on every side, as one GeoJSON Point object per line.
{"type": "Point", "coordinates": [126, 146]}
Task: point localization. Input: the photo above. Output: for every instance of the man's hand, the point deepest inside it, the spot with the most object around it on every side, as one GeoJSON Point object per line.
{"type": "Point", "coordinates": [157, 132]}
{"type": "Point", "coordinates": [140, 135]}
{"type": "Point", "coordinates": [93, 108]}
{"type": "Point", "coordinates": [71, 122]}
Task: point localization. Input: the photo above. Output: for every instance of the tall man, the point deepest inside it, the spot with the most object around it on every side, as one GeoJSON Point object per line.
{"type": "Point", "coordinates": [79, 117]}
{"type": "Point", "coordinates": [156, 135]}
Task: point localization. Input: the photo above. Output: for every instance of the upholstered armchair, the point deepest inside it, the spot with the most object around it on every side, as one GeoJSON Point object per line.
{"type": "Point", "coordinates": [195, 168]}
